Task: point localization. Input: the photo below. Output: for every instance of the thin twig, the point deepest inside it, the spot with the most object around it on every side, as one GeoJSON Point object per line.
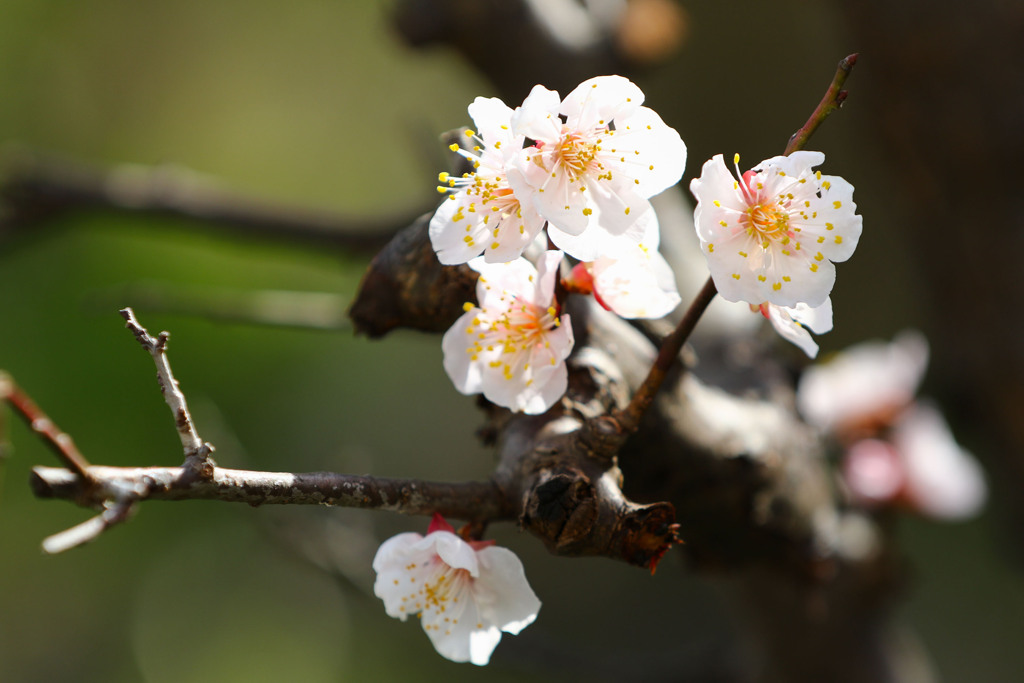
{"type": "Point", "coordinates": [197, 451]}
{"type": "Point", "coordinates": [832, 100]}
{"type": "Point", "coordinates": [629, 418]}
{"type": "Point", "coordinates": [463, 500]}
{"type": "Point", "coordinates": [59, 441]}
{"type": "Point", "coordinates": [89, 530]}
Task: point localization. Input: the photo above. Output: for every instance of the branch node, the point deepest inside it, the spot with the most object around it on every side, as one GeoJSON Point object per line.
{"type": "Point", "coordinates": [200, 463]}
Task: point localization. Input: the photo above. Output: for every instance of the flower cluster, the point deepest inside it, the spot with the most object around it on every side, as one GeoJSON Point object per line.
{"type": "Point", "coordinates": [772, 234]}
{"type": "Point", "coordinates": [465, 593]}
{"type": "Point", "coordinates": [572, 177]}
{"type": "Point", "coordinates": [584, 167]}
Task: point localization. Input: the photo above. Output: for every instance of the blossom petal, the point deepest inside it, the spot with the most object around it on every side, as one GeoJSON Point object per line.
{"type": "Point", "coordinates": [818, 318]}
{"type": "Point", "coordinates": [537, 118]}
{"type": "Point", "coordinates": [561, 201]}
{"type": "Point", "coordinates": [639, 284]}
{"type": "Point", "coordinates": [874, 472]}
{"type": "Point", "coordinates": [456, 234]}
{"type": "Point", "coordinates": [793, 165]}
{"type": "Point", "coordinates": [864, 380]}
{"type": "Point", "coordinates": [789, 323]}
{"type": "Point", "coordinates": [601, 99]}
{"type": "Point", "coordinates": [943, 480]}
{"type": "Point", "coordinates": [597, 241]}
{"type": "Point", "coordinates": [457, 345]}
{"type": "Point", "coordinates": [492, 119]}
{"type": "Point", "coordinates": [503, 594]}
{"type": "Point", "coordinates": [655, 155]}
{"type": "Point", "coordinates": [792, 279]}
{"type": "Point", "coordinates": [547, 274]}
{"type": "Point", "coordinates": [402, 564]}
{"type": "Point", "coordinates": [498, 279]}
{"type": "Point", "coordinates": [455, 552]}
{"type": "Point", "coordinates": [620, 205]}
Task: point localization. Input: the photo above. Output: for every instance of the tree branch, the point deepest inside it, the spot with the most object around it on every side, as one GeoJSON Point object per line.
{"type": "Point", "coordinates": [36, 188]}
{"type": "Point", "coordinates": [832, 100]}
{"type": "Point", "coordinates": [59, 441]}
{"type": "Point", "coordinates": [464, 500]}
{"type": "Point", "coordinates": [668, 353]}
{"type": "Point", "coordinates": [197, 451]}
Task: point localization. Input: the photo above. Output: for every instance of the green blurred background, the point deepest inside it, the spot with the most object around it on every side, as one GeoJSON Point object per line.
{"type": "Point", "coordinates": [319, 104]}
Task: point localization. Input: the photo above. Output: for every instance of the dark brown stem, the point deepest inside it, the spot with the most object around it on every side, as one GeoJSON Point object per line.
{"type": "Point", "coordinates": [473, 501]}
{"type": "Point", "coordinates": [59, 441]}
{"type": "Point", "coordinates": [629, 418]}
{"type": "Point", "coordinates": [832, 100]}
{"type": "Point", "coordinates": [36, 187]}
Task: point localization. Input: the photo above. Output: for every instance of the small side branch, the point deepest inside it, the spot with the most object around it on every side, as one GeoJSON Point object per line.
{"type": "Point", "coordinates": [473, 501]}
{"type": "Point", "coordinates": [629, 419]}
{"type": "Point", "coordinates": [197, 451]}
{"type": "Point", "coordinates": [59, 441]}
{"type": "Point", "coordinates": [89, 530]}
{"type": "Point", "coordinates": [832, 100]}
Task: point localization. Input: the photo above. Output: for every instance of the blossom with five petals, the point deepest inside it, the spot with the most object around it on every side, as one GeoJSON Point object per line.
{"type": "Point", "coordinates": [481, 214]}
{"type": "Point", "coordinates": [512, 346]}
{"type": "Point", "coordinates": [772, 233]}
{"type": "Point", "coordinates": [466, 593]}
{"type": "Point", "coordinates": [596, 158]}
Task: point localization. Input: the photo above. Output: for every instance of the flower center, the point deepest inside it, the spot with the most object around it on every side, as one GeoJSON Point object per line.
{"type": "Point", "coordinates": [766, 222]}
{"type": "Point", "coordinates": [576, 154]}
{"type": "Point", "coordinates": [447, 586]}
{"type": "Point", "coordinates": [499, 196]}
{"type": "Point", "coordinates": [511, 335]}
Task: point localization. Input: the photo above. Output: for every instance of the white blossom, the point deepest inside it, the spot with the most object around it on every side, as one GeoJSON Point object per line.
{"type": "Point", "coordinates": [633, 280]}
{"type": "Point", "coordinates": [481, 213]}
{"type": "Point", "coordinates": [596, 158]}
{"type": "Point", "coordinates": [513, 345]}
{"type": "Point", "coordinates": [465, 593]}
{"type": "Point", "coordinates": [772, 234]}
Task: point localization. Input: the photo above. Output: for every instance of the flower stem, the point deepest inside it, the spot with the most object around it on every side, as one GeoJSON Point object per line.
{"type": "Point", "coordinates": [832, 100]}
{"type": "Point", "coordinates": [629, 419]}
